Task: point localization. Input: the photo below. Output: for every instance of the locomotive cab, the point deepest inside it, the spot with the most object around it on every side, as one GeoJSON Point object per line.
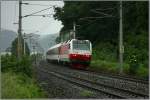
{"type": "Point", "coordinates": [80, 52]}
{"type": "Point", "coordinates": [75, 52]}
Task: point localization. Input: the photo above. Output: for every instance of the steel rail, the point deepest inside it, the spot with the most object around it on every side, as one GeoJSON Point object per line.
{"type": "Point", "coordinates": [82, 84]}
{"type": "Point", "coordinates": [118, 76]}
{"type": "Point", "coordinates": [97, 86]}
{"type": "Point", "coordinates": [126, 78]}
{"type": "Point", "coordinates": [130, 93]}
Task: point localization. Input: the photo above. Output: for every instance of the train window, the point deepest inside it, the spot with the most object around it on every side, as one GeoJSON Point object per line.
{"type": "Point", "coordinates": [68, 46]}
{"type": "Point", "coordinates": [81, 45]}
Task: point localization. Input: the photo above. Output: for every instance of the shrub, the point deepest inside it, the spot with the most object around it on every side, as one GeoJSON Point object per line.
{"type": "Point", "coordinates": [143, 72]}
{"type": "Point", "coordinates": [104, 51]}
{"type": "Point", "coordinates": [133, 64]}
{"type": "Point", "coordinates": [11, 63]}
{"type": "Point", "coordinates": [15, 88]}
{"type": "Point", "coordinates": [112, 67]}
{"type": "Point", "coordinates": [8, 62]}
{"type": "Point", "coordinates": [24, 66]}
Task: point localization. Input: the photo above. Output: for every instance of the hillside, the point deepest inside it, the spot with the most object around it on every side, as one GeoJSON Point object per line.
{"type": "Point", "coordinates": [46, 41]}
{"type": "Point", "coordinates": [6, 38]}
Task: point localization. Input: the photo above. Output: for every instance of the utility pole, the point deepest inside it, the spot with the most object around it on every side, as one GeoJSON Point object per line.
{"type": "Point", "coordinates": [24, 44]}
{"type": "Point", "coordinates": [0, 31]}
{"type": "Point", "coordinates": [30, 43]}
{"type": "Point", "coordinates": [20, 30]}
{"type": "Point", "coordinates": [74, 30]}
{"type": "Point", "coordinates": [121, 48]}
{"type": "Point", "coordinates": [34, 53]}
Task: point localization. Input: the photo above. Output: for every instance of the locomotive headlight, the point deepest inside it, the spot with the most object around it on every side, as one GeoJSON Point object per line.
{"type": "Point", "coordinates": [87, 55]}
{"type": "Point", "coordinates": [74, 55]}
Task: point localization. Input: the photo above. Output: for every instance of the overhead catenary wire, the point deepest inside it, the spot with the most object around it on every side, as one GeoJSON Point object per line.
{"type": "Point", "coordinates": [95, 17]}
{"type": "Point", "coordinates": [43, 15]}
{"type": "Point", "coordinates": [36, 12]}
{"type": "Point", "coordinates": [38, 4]}
{"type": "Point", "coordinates": [105, 9]}
{"type": "Point", "coordinates": [99, 12]}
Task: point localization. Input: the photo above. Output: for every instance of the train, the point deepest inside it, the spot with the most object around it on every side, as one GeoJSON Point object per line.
{"type": "Point", "coordinates": [77, 53]}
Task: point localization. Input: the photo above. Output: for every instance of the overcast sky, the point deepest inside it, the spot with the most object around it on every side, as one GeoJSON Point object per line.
{"type": "Point", "coordinates": [45, 25]}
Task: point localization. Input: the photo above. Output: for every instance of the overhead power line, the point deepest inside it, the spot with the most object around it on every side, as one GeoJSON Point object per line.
{"type": "Point", "coordinates": [44, 15]}
{"type": "Point", "coordinates": [94, 17]}
{"type": "Point", "coordinates": [99, 12]}
{"type": "Point", "coordinates": [37, 4]}
{"type": "Point", "coordinates": [106, 9]}
{"type": "Point", "coordinates": [37, 12]}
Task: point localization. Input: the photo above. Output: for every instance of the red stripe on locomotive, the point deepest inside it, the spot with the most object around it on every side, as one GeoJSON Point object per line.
{"type": "Point", "coordinates": [83, 57]}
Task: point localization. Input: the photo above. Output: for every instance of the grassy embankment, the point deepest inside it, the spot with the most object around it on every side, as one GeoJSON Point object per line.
{"type": "Point", "coordinates": [17, 79]}
{"type": "Point", "coordinates": [14, 86]}
{"type": "Point", "coordinates": [104, 59]}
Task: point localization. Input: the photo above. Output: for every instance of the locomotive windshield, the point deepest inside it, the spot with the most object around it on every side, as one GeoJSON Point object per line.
{"type": "Point", "coordinates": [81, 45]}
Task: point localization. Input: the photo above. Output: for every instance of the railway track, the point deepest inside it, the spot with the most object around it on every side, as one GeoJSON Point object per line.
{"type": "Point", "coordinates": [127, 85]}
{"type": "Point", "coordinates": [112, 92]}
{"type": "Point", "coordinates": [121, 83]}
{"type": "Point", "coordinates": [123, 77]}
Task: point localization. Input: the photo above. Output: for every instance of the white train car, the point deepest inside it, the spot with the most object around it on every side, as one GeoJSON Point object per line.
{"type": "Point", "coordinates": [75, 52]}
{"type": "Point", "coordinates": [52, 53]}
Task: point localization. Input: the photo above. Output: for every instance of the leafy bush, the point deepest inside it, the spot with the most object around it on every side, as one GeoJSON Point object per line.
{"type": "Point", "coordinates": [24, 66]}
{"type": "Point", "coordinates": [140, 71]}
{"type": "Point", "coordinates": [143, 72]}
{"type": "Point", "coordinates": [104, 51]}
{"type": "Point", "coordinates": [112, 67]}
{"type": "Point", "coordinates": [11, 63]}
{"type": "Point", "coordinates": [15, 88]}
{"type": "Point", "coordinates": [136, 45]}
{"type": "Point", "coordinates": [8, 62]}
{"type": "Point", "coordinates": [104, 57]}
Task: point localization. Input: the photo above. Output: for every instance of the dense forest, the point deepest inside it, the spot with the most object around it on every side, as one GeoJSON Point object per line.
{"type": "Point", "coordinates": [99, 22]}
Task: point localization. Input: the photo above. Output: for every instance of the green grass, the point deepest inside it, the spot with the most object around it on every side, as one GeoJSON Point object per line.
{"type": "Point", "coordinates": [16, 86]}
{"type": "Point", "coordinates": [143, 72]}
{"type": "Point", "coordinates": [108, 66]}
{"type": "Point", "coordinates": [113, 67]}
{"type": "Point", "coordinates": [86, 93]}
{"type": "Point", "coordinates": [105, 59]}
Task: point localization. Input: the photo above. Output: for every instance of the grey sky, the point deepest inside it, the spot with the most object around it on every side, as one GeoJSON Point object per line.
{"type": "Point", "coordinates": [45, 25]}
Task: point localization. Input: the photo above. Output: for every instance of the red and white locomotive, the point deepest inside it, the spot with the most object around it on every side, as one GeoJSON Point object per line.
{"type": "Point", "coordinates": [75, 52]}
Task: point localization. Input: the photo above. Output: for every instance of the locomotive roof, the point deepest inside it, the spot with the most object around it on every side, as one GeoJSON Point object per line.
{"type": "Point", "coordinates": [58, 45]}
{"type": "Point", "coordinates": [55, 46]}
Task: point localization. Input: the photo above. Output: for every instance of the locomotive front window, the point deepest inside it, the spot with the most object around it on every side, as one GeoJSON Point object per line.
{"type": "Point", "coordinates": [81, 45]}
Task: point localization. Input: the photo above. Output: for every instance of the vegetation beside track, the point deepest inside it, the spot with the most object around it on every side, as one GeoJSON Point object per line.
{"type": "Point", "coordinates": [17, 79]}
{"type": "Point", "coordinates": [86, 93]}
{"type": "Point", "coordinates": [17, 86]}
{"type": "Point", "coordinates": [104, 33]}
{"type": "Point", "coordinates": [113, 67]}
{"type": "Point", "coordinates": [108, 63]}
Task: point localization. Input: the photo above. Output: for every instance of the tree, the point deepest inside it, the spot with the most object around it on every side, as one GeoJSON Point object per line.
{"type": "Point", "coordinates": [99, 23]}
{"type": "Point", "coordinates": [80, 12]}
{"type": "Point", "coordinates": [14, 48]}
